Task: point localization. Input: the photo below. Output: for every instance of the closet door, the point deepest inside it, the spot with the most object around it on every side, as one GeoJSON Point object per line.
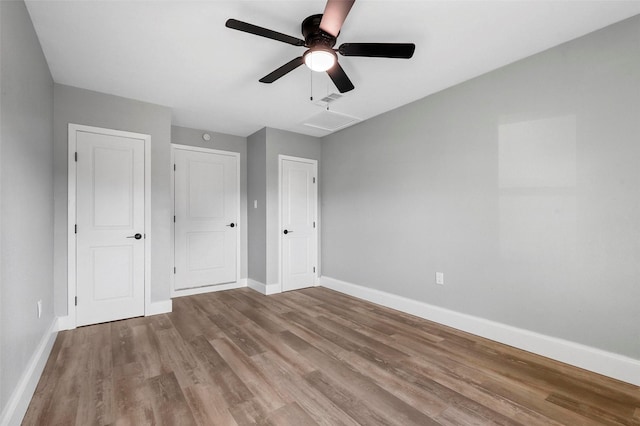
{"type": "Point", "coordinates": [298, 211]}
{"type": "Point", "coordinates": [110, 247]}
{"type": "Point", "coordinates": [207, 197]}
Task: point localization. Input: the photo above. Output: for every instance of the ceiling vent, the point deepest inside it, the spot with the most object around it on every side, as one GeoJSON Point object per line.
{"type": "Point", "coordinates": [324, 102]}
{"type": "Point", "coordinates": [330, 98]}
{"type": "Point", "coordinates": [330, 121]}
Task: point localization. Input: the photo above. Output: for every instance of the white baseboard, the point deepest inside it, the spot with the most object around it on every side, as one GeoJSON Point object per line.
{"type": "Point", "coordinates": [66, 323]}
{"type": "Point", "coordinates": [602, 362]}
{"type": "Point", "coordinates": [257, 286]}
{"type": "Point", "coordinates": [19, 400]}
{"type": "Point", "coordinates": [161, 307]}
{"type": "Point", "coordinates": [264, 288]}
{"type": "Point", "coordinates": [242, 282]}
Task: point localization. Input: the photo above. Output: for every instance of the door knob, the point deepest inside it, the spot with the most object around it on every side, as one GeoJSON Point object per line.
{"type": "Point", "coordinates": [137, 236]}
{"type": "Point", "coordinates": [287, 232]}
{"type": "Point", "coordinates": [231, 225]}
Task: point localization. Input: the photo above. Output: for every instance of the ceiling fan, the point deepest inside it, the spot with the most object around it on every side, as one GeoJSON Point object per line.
{"type": "Point", "coordinates": [320, 35]}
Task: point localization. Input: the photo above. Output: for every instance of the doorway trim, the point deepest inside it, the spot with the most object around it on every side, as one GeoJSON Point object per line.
{"type": "Point", "coordinates": [316, 275]}
{"type": "Point", "coordinates": [70, 322]}
{"type": "Point", "coordinates": [208, 289]}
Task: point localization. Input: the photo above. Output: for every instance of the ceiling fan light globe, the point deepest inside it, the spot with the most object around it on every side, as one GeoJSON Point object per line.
{"type": "Point", "coordinates": [320, 60]}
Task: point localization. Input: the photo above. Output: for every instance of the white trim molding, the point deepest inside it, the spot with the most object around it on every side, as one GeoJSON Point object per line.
{"type": "Point", "coordinates": [19, 400]}
{"type": "Point", "coordinates": [589, 358]}
{"type": "Point", "coordinates": [66, 323]}
{"type": "Point", "coordinates": [264, 288]}
{"type": "Point", "coordinates": [160, 307]}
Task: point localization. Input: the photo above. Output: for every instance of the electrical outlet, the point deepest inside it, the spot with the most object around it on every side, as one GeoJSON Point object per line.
{"type": "Point", "coordinates": [39, 305]}
{"type": "Point", "coordinates": [440, 278]}
{"type": "Point", "coordinates": [255, 204]}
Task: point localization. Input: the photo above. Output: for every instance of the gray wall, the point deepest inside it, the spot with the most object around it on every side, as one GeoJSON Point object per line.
{"type": "Point", "coordinates": [26, 195]}
{"type": "Point", "coordinates": [257, 191]}
{"type": "Point", "coordinates": [2, 319]}
{"type": "Point", "coordinates": [285, 143]}
{"type": "Point", "coordinates": [223, 142]}
{"type": "Point", "coordinates": [522, 186]}
{"type": "Point", "coordinates": [79, 106]}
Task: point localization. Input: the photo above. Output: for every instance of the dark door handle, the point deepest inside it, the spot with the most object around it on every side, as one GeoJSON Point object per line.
{"type": "Point", "coordinates": [287, 232]}
{"type": "Point", "coordinates": [137, 236]}
{"type": "Point", "coordinates": [232, 225]}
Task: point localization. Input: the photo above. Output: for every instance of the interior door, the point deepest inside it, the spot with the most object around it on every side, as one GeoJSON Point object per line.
{"type": "Point", "coordinates": [206, 191]}
{"type": "Point", "coordinates": [298, 192]}
{"type": "Point", "coordinates": [110, 229]}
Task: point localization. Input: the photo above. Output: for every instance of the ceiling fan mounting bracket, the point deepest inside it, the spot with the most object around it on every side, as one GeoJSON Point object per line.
{"type": "Point", "coordinates": [314, 36]}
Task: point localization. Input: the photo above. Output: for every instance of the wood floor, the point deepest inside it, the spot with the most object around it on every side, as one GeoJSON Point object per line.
{"type": "Point", "coordinates": [309, 357]}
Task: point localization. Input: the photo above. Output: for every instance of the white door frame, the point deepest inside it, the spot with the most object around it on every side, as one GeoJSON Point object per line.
{"type": "Point", "coordinates": [71, 322]}
{"type": "Point", "coordinates": [220, 287]}
{"type": "Point", "coordinates": [315, 213]}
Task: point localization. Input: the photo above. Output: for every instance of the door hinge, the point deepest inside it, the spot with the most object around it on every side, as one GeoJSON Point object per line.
{"type": "Point", "coordinates": [314, 224]}
{"type": "Point", "coordinates": [76, 300]}
{"type": "Point", "coordinates": [314, 269]}
{"type": "Point", "coordinates": [75, 156]}
{"type": "Point", "coordinates": [174, 218]}
{"type": "Point", "coordinates": [174, 167]}
{"type": "Point", "coordinates": [314, 179]}
{"type": "Point", "coordinates": [75, 228]}
{"type": "Point", "coordinates": [174, 269]}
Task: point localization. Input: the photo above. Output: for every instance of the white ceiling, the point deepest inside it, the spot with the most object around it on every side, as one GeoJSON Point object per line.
{"type": "Point", "coordinates": [180, 54]}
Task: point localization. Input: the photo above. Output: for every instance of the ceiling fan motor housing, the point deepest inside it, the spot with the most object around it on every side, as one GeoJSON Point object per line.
{"type": "Point", "coordinates": [314, 37]}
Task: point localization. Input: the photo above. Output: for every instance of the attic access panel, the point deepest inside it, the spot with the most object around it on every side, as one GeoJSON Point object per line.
{"type": "Point", "coordinates": [330, 121]}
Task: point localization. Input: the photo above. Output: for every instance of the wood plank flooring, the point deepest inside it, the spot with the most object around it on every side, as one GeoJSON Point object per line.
{"type": "Point", "coordinates": [309, 357]}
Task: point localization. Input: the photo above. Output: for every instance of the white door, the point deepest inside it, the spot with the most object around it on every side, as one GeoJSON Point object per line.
{"type": "Point", "coordinates": [110, 217]}
{"type": "Point", "coordinates": [298, 191]}
{"type": "Point", "coordinates": [207, 198]}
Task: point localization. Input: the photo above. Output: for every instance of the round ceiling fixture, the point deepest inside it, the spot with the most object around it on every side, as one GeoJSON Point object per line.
{"type": "Point", "coordinates": [320, 60]}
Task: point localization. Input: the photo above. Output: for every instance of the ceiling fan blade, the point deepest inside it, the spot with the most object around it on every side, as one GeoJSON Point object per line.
{"type": "Point", "coordinates": [378, 50]}
{"type": "Point", "coordinates": [335, 12]}
{"type": "Point", "coordinates": [340, 79]}
{"type": "Point", "coordinates": [285, 69]}
{"type": "Point", "coordinates": [263, 32]}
